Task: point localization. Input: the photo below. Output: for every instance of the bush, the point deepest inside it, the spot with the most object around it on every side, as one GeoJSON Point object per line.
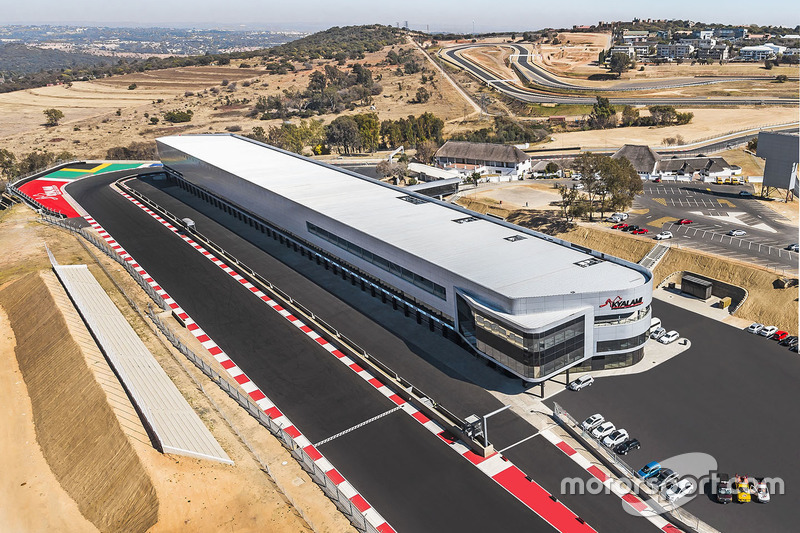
{"type": "Point", "coordinates": [153, 120]}
{"type": "Point", "coordinates": [781, 78]}
{"type": "Point", "coordinates": [177, 115]}
{"type": "Point", "coordinates": [132, 86]}
{"type": "Point", "coordinates": [233, 128]}
{"type": "Point", "coordinates": [224, 83]}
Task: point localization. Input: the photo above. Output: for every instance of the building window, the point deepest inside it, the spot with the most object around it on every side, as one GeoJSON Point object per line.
{"type": "Point", "coordinates": [621, 344]}
{"type": "Point", "coordinates": [393, 268]}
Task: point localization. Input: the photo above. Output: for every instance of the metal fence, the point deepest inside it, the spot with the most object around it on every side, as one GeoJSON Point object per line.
{"type": "Point", "coordinates": [330, 488]}
{"type": "Point", "coordinates": [659, 504]}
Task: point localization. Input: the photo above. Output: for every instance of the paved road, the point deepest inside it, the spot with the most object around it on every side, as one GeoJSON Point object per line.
{"type": "Point", "coordinates": [547, 82]}
{"type": "Point", "coordinates": [399, 342]}
{"type": "Point", "coordinates": [715, 210]}
{"type": "Point", "coordinates": [730, 395]}
{"type": "Point", "coordinates": [411, 477]}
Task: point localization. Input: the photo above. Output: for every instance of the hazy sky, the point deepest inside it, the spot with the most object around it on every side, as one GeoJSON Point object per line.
{"type": "Point", "coordinates": [437, 15]}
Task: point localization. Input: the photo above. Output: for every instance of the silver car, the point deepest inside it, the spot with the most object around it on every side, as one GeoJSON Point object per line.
{"type": "Point", "coordinates": [658, 333]}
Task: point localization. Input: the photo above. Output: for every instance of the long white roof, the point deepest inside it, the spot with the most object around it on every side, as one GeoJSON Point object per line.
{"type": "Point", "coordinates": [475, 250]}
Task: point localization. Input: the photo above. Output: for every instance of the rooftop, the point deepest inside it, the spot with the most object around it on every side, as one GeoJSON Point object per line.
{"type": "Point", "coordinates": [482, 152]}
{"type": "Point", "coordinates": [484, 250]}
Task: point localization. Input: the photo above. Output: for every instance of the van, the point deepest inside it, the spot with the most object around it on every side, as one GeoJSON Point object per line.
{"type": "Point", "coordinates": [621, 216]}
{"type": "Point", "coordinates": [655, 323]}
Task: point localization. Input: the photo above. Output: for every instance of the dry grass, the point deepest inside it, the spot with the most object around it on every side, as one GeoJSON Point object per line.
{"type": "Point", "coordinates": [75, 427]}
{"type": "Point", "coordinates": [764, 304]}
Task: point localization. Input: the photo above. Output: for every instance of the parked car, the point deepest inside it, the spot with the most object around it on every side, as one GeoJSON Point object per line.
{"type": "Point", "coordinates": [640, 231]}
{"type": "Point", "coordinates": [724, 492]}
{"type": "Point", "coordinates": [631, 228]}
{"type": "Point", "coordinates": [737, 233]}
{"type": "Point", "coordinates": [658, 333]}
{"type": "Point", "coordinates": [742, 489]}
{"type": "Point", "coordinates": [787, 341]}
{"type": "Point", "coordinates": [762, 492]}
{"type": "Point", "coordinates": [664, 235]}
{"type": "Point", "coordinates": [627, 446]}
{"type": "Point", "coordinates": [667, 338]}
{"type": "Point", "coordinates": [678, 490]}
{"type": "Point", "coordinates": [621, 225]}
{"type": "Point", "coordinates": [683, 221]}
{"type": "Point", "coordinates": [603, 430]}
{"type": "Point", "coordinates": [649, 470]}
{"type": "Point", "coordinates": [779, 335]}
{"type": "Point", "coordinates": [665, 476]}
{"type": "Point", "coordinates": [793, 247]}
{"type": "Point", "coordinates": [581, 382]}
{"type": "Point", "coordinates": [613, 219]}
{"type": "Point", "coordinates": [657, 180]}
{"type": "Point", "coordinates": [578, 186]}
{"type": "Point", "coordinates": [616, 437]}
{"type": "Point", "coordinates": [745, 194]}
{"type": "Point", "coordinates": [592, 422]}
{"type": "Point", "coordinates": [655, 323]}
{"type": "Point", "coordinates": [768, 331]}
{"type": "Point", "coordinates": [621, 216]}
{"type": "Point", "coordinates": [755, 327]}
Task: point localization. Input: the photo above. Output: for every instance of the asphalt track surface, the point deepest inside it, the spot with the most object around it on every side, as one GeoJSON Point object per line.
{"type": "Point", "coordinates": [407, 474]}
{"type": "Point", "coordinates": [513, 90]}
{"type": "Point", "coordinates": [731, 394]}
{"type": "Point", "coordinates": [409, 349]}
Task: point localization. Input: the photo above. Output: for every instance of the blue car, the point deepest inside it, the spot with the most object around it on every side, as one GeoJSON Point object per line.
{"type": "Point", "coordinates": [648, 470]}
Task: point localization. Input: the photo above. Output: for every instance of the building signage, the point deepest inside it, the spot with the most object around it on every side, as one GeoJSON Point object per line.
{"type": "Point", "coordinates": [619, 303]}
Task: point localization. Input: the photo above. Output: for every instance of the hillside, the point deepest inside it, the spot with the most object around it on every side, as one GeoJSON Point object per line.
{"type": "Point", "coordinates": [349, 42]}
{"type": "Point", "coordinates": [22, 59]}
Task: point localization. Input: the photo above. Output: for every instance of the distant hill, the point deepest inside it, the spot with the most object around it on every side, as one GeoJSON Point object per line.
{"type": "Point", "coordinates": [18, 58]}
{"type": "Point", "coordinates": [348, 42]}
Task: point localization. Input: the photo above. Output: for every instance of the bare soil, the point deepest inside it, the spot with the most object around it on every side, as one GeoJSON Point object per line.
{"type": "Point", "coordinates": [91, 125]}
{"type": "Point", "coordinates": [266, 490]}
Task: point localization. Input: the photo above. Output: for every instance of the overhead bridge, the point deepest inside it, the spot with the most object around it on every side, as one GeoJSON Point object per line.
{"type": "Point", "coordinates": [171, 421]}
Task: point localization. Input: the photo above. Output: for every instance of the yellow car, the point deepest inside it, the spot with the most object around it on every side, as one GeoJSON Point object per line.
{"type": "Point", "coordinates": [743, 494]}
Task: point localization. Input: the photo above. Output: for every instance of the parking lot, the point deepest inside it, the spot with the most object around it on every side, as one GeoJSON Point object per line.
{"type": "Point", "coordinates": [715, 210]}
{"type": "Point", "coordinates": [731, 395]}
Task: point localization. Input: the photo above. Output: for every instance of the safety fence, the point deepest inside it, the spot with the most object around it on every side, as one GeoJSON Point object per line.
{"type": "Point", "coordinates": [659, 504]}
{"type": "Point", "coordinates": [55, 165]}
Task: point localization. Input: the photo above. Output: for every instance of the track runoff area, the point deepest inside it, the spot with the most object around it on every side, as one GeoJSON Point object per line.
{"type": "Point", "coordinates": [347, 449]}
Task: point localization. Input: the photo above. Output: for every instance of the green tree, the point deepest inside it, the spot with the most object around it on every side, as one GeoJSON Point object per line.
{"type": "Point", "coordinates": [369, 130]}
{"type": "Point", "coordinates": [629, 115]}
{"type": "Point", "coordinates": [178, 115]}
{"type": "Point", "coordinates": [422, 95]}
{"type": "Point", "coordinates": [426, 150]}
{"type": "Point", "coordinates": [53, 116]}
{"type": "Point", "coordinates": [621, 181]}
{"type": "Point", "coordinates": [551, 167]}
{"type": "Point", "coordinates": [588, 165]}
{"type": "Point", "coordinates": [752, 144]}
{"type": "Point", "coordinates": [663, 114]}
{"type": "Point", "coordinates": [569, 196]}
{"type": "Point", "coordinates": [603, 114]}
{"type": "Point", "coordinates": [781, 78]}
{"type": "Point", "coordinates": [7, 162]}
{"type": "Point", "coordinates": [620, 63]}
{"type": "Point", "coordinates": [342, 133]}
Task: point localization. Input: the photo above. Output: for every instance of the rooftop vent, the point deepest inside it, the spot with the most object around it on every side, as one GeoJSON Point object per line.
{"type": "Point", "coordinates": [589, 262]}
{"type": "Point", "coordinates": [465, 220]}
{"type": "Point", "coordinates": [515, 238]}
{"type": "Point", "coordinates": [412, 199]}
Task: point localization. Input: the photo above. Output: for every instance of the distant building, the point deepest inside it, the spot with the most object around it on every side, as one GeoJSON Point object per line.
{"type": "Point", "coordinates": [626, 49]}
{"type": "Point", "coordinates": [503, 161]}
{"type": "Point", "coordinates": [650, 164]}
{"type": "Point", "coordinates": [703, 34]}
{"type": "Point", "coordinates": [635, 36]}
{"type": "Point", "coordinates": [731, 33]}
{"type": "Point", "coordinates": [674, 51]}
{"type": "Point", "coordinates": [760, 52]}
{"type": "Point", "coordinates": [792, 52]}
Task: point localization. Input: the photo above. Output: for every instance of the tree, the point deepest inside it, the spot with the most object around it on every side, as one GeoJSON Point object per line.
{"type": "Point", "coordinates": [369, 130]}
{"type": "Point", "coordinates": [781, 78]}
{"type": "Point", "coordinates": [629, 115]}
{"type": "Point", "coordinates": [752, 144]}
{"type": "Point", "coordinates": [342, 133]}
{"type": "Point", "coordinates": [392, 169]}
{"type": "Point", "coordinates": [588, 165]}
{"type": "Point", "coordinates": [663, 114]}
{"type": "Point", "coordinates": [569, 195]}
{"type": "Point", "coordinates": [178, 115]}
{"type": "Point", "coordinates": [426, 150]}
{"type": "Point", "coordinates": [621, 181]}
{"type": "Point", "coordinates": [768, 64]}
{"type": "Point", "coordinates": [53, 116]}
{"type": "Point", "coordinates": [7, 160]}
{"type": "Point", "coordinates": [603, 114]}
{"type": "Point", "coordinates": [620, 63]}
{"type": "Point", "coordinates": [422, 95]}
{"type": "Point", "coordinates": [551, 168]}
{"type": "Point", "coordinates": [601, 57]}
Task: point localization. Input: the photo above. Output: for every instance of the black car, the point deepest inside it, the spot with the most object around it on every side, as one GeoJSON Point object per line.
{"type": "Point", "coordinates": [724, 489]}
{"type": "Point", "coordinates": [627, 446]}
{"type": "Point", "coordinates": [630, 228]}
{"type": "Point", "coordinates": [788, 341]}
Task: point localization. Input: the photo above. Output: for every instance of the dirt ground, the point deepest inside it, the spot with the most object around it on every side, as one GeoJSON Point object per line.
{"type": "Point", "coordinates": [193, 495]}
{"type": "Point", "coordinates": [765, 304]}
{"type": "Point", "coordinates": [707, 123]}
{"type": "Point", "coordinates": [517, 195]}
{"type": "Point", "coordinates": [91, 125]}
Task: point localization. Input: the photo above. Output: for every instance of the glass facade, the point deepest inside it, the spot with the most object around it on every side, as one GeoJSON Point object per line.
{"type": "Point", "coordinates": [531, 355]}
{"type": "Point", "coordinates": [409, 276]}
{"type": "Point", "coordinates": [622, 344]}
{"type": "Point", "coordinates": [617, 360]}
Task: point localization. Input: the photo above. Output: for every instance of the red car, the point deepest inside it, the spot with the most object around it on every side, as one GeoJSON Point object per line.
{"type": "Point", "coordinates": [621, 225]}
{"type": "Point", "coordinates": [684, 221]}
{"type": "Point", "coordinates": [639, 231]}
{"type": "Point", "coordinates": [779, 335]}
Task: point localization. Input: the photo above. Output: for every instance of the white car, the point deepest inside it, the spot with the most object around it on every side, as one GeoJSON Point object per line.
{"type": "Point", "coordinates": [755, 327]}
{"type": "Point", "coordinates": [767, 331]}
{"type": "Point", "coordinates": [617, 437]}
{"type": "Point", "coordinates": [678, 490]}
{"type": "Point", "coordinates": [578, 186]}
{"type": "Point", "coordinates": [581, 382]}
{"type": "Point", "coordinates": [592, 422]}
{"type": "Point", "coordinates": [664, 235]}
{"type": "Point", "coordinates": [658, 333]}
{"type": "Point", "coordinates": [667, 338]}
{"type": "Point", "coordinates": [793, 247]}
{"type": "Point", "coordinates": [737, 233]}
{"type": "Point", "coordinates": [603, 430]}
{"type": "Point", "coordinates": [762, 493]}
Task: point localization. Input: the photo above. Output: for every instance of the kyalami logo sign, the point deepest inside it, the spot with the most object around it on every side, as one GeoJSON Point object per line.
{"type": "Point", "coordinates": [619, 303]}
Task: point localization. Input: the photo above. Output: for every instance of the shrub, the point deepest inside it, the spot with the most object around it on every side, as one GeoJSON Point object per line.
{"type": "Point", "coordinates": [132, 86]}
{"type": "Point", "coordinates": [224, 83]}
{"type": "Point", "coordinates": [178, 115]}
{"type": "Point", "coordinates": [233, 128]}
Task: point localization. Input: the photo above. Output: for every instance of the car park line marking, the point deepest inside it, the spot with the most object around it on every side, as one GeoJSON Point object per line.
{"type": "Point", "coordinates": [497, 467]}
{"type": "Point", "coordinates": [523, 440]}
{"type": "Point", "coordinates": [261, 399]}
